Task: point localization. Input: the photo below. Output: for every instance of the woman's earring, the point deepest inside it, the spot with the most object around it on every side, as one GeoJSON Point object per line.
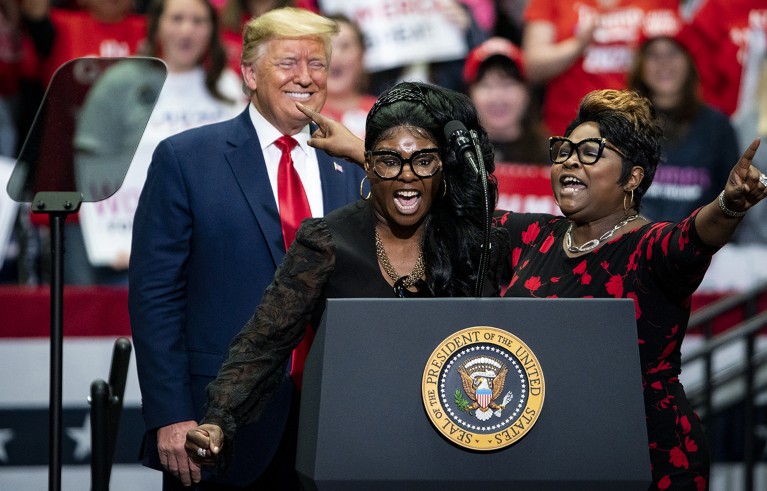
{"type": "Point", "coordinates": [362, 184]}
{"type": "Point", "coordinates": [627, 207]}
{"type": "Point", "coordinates": [444, 189]}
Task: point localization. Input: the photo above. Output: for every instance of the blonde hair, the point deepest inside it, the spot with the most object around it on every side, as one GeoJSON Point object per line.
{"type": "Point", "coordinates": [285, 23]}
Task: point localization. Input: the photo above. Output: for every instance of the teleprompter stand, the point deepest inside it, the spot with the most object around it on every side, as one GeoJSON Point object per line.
{"type": "Point", "coordinates": [57, 205]}
{"type": "Point", "coordinates": [78, 150]}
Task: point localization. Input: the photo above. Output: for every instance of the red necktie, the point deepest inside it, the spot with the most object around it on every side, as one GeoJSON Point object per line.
{"type": "Point", "coordinates": [294, 207]}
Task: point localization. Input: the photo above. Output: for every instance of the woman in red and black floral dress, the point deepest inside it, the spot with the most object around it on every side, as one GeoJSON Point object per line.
{"type": "Point", "coordinates": [603, 248]}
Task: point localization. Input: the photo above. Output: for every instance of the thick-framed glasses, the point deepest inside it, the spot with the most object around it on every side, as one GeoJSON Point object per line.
{"type": "Point", "coordinates": [388, 164]}
{"type": "Point", "coordinates": [588, 150]}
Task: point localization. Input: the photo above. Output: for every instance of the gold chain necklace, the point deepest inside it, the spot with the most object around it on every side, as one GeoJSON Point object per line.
{"type": "Point", "coordinates": [593, 243]}
{"type": "Point", "coordinates": [410, 279]}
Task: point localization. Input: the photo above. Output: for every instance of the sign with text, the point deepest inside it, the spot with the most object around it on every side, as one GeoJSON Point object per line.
{"type": "Point", "coordinates": [483, 388]}
{"type": "Point", "coordinates": [108, 224]}
{"type": "Point", "coordinates": [402, 32]}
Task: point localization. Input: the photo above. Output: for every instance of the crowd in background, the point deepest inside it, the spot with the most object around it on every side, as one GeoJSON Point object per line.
{"type": "Point", "coordinates": [526, 66]}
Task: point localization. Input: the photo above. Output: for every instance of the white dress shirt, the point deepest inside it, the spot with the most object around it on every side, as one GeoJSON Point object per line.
{"type": "Point", "coordinates": [304, 159]}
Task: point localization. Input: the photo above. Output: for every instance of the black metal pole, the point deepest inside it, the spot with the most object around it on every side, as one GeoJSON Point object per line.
{"type": "Point", "coordinates": [106, 407]}
{"type": "Point", "coordinates": [57, 335]}
{"type": "Point", "coordinates": [118, 374]}
{"type": "Point", "coordinates": [57, 205]}
{"type": "Point", "coordinates": [749, 417]}
{"type": "Point", "coordinates": [708, 376]}
{"type": "Point", "coordinates": [749, 420]}
{"type": "Point", "coordinates": [100, 458]}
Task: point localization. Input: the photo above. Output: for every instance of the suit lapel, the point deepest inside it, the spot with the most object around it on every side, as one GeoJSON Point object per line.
{"type": "Point", "coordinates": [247, 162]}
{"type": "Point", "coordinates": [333, 180]}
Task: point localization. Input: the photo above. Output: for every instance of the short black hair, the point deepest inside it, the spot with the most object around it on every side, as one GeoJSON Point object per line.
{"type": "Point", "coordinates": [630, 122]}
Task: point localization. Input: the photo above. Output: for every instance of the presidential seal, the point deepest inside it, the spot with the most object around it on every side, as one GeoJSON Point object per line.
{"type": "Point", "coordinates": [483, 388]}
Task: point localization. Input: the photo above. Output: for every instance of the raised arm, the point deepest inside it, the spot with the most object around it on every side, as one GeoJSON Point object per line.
{"type": "Point", "coordinates": [334, 138]}
{"type": "Point", "coordinates": [545, 58]}
{"type": "Point", "coordinates": [747, 186]}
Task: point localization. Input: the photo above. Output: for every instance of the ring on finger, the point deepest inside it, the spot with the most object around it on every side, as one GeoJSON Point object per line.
{"type": "Point", "coordinates": [763, 180]}
{"type": "Point", "coordinates": [201, 452]}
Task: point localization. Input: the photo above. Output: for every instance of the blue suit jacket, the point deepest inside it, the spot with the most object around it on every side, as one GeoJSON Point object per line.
{"type": "Point", "coordinates": [206, 243]}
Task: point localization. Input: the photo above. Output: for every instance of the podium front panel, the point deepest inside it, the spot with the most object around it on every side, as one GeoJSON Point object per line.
{"type": "Point", "coordinates": [364, 426]}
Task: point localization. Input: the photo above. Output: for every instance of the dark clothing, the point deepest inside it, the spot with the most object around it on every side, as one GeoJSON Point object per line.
{"type": "Point", "coordinates": [532, 147]}
{"type": "Point", "coordinates": [658, 266]}
{"type": "Point", "coordinates": [279, 475]}
{"type": "Point", "coordinates": [207, 240]}
{"type": "Point", "coordinates": [332, 257]}
{"type": "Point", "coordinates": [696, 163]}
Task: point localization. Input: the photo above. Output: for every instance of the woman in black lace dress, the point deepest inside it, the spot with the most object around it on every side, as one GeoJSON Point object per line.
{"type": "Point", "coordinates": [418, 232]}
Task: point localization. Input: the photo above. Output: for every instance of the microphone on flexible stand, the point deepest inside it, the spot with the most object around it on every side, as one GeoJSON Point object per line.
{"type": "Point", "coordinates": [458, 138]}
{"type": "Point", "coordinates": [466, 146]}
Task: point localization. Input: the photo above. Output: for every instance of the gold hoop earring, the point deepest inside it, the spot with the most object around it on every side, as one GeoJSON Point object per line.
{"type": "Point", "coordinates": [362, 184]}
{"type": "Point", "coordinates": [630, 205]}
{"type": "Point", "coordinates": [444, 189]}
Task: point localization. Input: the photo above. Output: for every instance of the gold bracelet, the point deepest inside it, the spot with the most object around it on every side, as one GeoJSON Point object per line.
{"type": "Point", "coordinates": [727, 211]}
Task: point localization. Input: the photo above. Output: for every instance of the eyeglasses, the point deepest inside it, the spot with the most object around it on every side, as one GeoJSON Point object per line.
{"type": "Point", "coordinates": [388, 164]}
{"type": "Point", "coordinates": [588, 150]}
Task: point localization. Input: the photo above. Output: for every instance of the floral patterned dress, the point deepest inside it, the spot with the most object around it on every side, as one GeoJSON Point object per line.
{"type": "Point", "coordinates": [658, 266]}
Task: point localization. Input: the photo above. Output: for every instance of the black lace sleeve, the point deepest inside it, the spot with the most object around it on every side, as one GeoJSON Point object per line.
{"type": "Point", "coordinates": [257, 358]}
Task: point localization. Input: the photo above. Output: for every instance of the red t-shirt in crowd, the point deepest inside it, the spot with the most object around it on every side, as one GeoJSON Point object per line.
{"type": "Point", "coordinates": [718, 38]}
{"type": "Point", "coordinates": [78, 34]}
{"type": "Point", "coordinates": [607, 60]}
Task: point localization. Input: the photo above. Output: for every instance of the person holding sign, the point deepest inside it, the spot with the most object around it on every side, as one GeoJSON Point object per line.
{"type": "Point", "coordinates": [423, 41]}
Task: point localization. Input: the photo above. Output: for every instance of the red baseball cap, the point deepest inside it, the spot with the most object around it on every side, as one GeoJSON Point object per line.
{"type": "Point", "coordinates": [495, 46]}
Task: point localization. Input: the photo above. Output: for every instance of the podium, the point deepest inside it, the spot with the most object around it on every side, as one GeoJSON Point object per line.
{"type": "Point", "coordinates": [364, 424]}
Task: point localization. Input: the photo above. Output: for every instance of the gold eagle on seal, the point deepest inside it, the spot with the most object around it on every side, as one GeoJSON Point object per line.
{"type": "Point", "coordinates": [483, 379]}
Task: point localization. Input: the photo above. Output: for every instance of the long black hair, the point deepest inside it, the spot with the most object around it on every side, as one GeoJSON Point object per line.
{"type": "Point", "coordinates": [454, 230]}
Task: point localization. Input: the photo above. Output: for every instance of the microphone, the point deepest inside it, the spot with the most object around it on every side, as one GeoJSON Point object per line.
{"type": "Point", "coordinates": [458, 138]}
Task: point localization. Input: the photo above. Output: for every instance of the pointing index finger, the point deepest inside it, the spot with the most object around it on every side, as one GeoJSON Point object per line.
{"type": "Point", "coordinates": [310, 113]}
{"type": "Point", "coordinates": [748, 156]}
